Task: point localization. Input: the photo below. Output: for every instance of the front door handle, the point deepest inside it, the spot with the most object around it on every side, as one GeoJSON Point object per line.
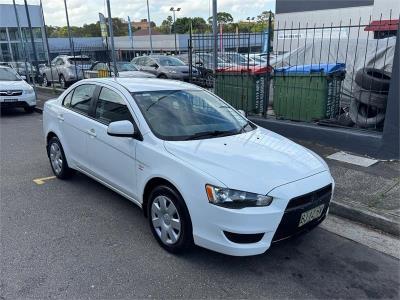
{"type": "Point", "coordinates": [91, 132]}
{"type": "Point", "coordinates": [60, 117]}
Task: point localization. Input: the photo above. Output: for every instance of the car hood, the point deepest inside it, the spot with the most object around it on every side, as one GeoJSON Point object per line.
{"type": "Point", "coordinates": [135, 74]}
{"type": "Point", "coordinates": [256, 161]}
{"type": "Point", "coordinates": [13, 85]}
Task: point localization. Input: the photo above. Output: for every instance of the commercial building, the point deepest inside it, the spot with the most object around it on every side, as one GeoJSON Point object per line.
{"type": "Point", "coordinates": [11, 48]}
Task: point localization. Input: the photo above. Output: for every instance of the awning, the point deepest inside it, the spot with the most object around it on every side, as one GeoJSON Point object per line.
{"type": "Point", "coordinates": [382, 25]}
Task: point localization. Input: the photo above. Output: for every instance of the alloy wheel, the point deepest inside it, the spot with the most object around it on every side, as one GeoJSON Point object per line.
{"type": "Point", "coordinates": [166, 220]}
{"type": "Point", "coordinates": [56, 158]}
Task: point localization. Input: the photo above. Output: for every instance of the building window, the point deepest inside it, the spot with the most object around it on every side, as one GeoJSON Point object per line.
{"type": "Point", "coordinates": [3, 34]}
{"type": "Point", "coordinates": [13, 34]}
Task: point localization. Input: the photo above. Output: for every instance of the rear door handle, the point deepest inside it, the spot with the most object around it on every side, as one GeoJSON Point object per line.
{"type": "Point", "coordinates": [60, 117]}
{"type": "Point", "coordinates": [91, 132]}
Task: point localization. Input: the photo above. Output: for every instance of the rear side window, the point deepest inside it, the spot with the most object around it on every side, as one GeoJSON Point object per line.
{"type": "Point", "coordinates": [111, 107]}
{"type": "Point", "coordinates": [82, 98]}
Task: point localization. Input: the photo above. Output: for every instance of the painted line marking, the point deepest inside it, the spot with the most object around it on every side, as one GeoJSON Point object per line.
{"type": "Point", "coordinates": [40, 181]}
{"type": "Point", "coordinates": [353, 159]}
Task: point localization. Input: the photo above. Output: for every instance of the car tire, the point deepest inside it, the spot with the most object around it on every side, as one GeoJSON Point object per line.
{"type": "Point", "coordinates": [370, 97]}
{"type": "Point", "coordinates": [209, 80]}
{"type": "Point", "coordinates": [162, 76]}
{"type": "Point", "coordinates": [364, 116]}
{"type": "Point", "coordinates": [63, 83]}
{"type": "Point", "coordinates": [45, 81]}
{"type": "Point", "coordinates": [373, 80]}
{"type": "Point", "coordinates": [29, 109]}
{"type": "Point", "coordinates": [57, 159]}
{"type": "Point", "coordinates": [169, 219]}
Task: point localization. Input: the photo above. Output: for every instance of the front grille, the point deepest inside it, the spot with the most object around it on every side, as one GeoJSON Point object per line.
{"type": "Point", "coordinates": [289, 225]}
{"type": "Point", "coordinates": [10, 93]}
{"type": "Point", "coordinates": [325, 192]}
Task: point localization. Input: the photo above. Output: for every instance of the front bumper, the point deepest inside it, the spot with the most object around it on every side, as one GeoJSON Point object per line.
{"type": "Point", "coordinates": [24, 100]}
{"type": "Point", "coordinates": [255, 228]}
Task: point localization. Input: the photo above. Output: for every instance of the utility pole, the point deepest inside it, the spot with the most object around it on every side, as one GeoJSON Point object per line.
{"type": "Point", "coordinates": [173, 11]}
{"type": "Point", "coordinates": [35, 63]}
{"type": "Point", "coordinates": [110, 28]}
{"type": "Point", "coordinates": [149, 24]}
{"type": "Point", "coordinates": [215, 33]}
{"type": "Point", "coordinates": [71, 43]}
{"type": "Point", "coordinates": [28, 77]}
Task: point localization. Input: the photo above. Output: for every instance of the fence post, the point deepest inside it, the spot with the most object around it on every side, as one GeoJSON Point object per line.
{"type": "Point", "coordinates": [268, 75]}
{"type": "Point", "coordinates": [190, 55]}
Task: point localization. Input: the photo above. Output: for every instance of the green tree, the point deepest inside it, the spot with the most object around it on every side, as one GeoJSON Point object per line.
{"type": "Point", "coordinates": [222, 18]}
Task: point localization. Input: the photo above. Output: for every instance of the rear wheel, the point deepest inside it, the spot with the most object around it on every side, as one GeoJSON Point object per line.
{"type": "Point", "coordinates": [63, 83]}
{"type": "Point", "coordinates": [57, 159]}
{"type": "Point", "coordinates": [163, 76]}
{"type": "Point", "coordinates": [45, 81]}
{"type": "Point", "coordinates": [169, 219]}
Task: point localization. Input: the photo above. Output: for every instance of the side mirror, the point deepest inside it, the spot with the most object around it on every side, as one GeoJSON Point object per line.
{"type": "Point", "coordinates": [121, 129]}
{"type": "Point", "coordinates": [198, 63]}
{"type": "Point", "coordinates": [23, 77]}
{"type": "Point", "coordinates": [155, 66]}
{"type": "Point", "coordinates": [242, 112]}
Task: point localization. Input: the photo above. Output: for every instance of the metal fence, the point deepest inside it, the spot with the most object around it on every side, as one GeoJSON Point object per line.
{"type": "Point", "coordinates": [327, 75]}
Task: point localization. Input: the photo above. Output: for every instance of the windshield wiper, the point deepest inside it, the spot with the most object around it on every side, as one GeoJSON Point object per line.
{"type": "Point", "coordinates": [244, 126]}
{"type": "Point", "coordinates": [213, 133]}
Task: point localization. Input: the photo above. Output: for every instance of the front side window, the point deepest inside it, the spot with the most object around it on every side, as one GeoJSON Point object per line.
{"type": "Point", "coordinates": [111, 107]}
{"type": "Point", "coordinates": [82, 98]}
{"type": "Point", "coordinates": [168, 61]}
{"type": "Point", "coordinates": [67, 99]}
{"type": "Point", "coordinates": [189, 114]}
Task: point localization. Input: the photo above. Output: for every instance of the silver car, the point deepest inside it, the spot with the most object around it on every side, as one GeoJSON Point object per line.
{"type": "Point", "coordinates": [65, 69]}
{"type": "Point", "coordinates": [125, 70]}
{"type": "Point", "coordinates": [163, 66]}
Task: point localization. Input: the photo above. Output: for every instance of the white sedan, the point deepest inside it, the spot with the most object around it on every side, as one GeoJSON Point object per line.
{"type": "Point", "coordinates": [14, 91]}
{"type": "Point", "coordinates": [201, 171]}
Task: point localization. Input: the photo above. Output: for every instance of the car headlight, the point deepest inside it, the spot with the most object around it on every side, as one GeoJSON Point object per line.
{"type": "Point", "coordinates": [235, 199]}
{"type": "Point", "coordinates": [29, 91]}
{"type": "Point", "coordinates": [172, 71]}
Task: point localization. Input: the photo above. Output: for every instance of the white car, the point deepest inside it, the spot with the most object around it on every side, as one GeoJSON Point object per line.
{"type": "Point", "coordinates": [14, 91]}
{"type": "Point", "coordinates": [201, 172]}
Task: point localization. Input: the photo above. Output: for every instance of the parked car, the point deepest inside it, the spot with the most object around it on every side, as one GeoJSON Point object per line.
{"type": "Point", "coordinates": [205, 77]}
{"type": "Point", "coordinates": [125, 70]}
{"type": "Point", "coordinates": [14, 91]}
{"type": "Point", "coordinates": [206, 60]}
{"type": "Point", "coordinates": [201, 171]}
{"type": "Point", "coordinates": [20, 68]}
{"type": "Point", "coordinates": [236, 58]}
{"type": "Point", "coordinates": [163, 66]}
{"type": "Point", "coordinates": [66, 70]}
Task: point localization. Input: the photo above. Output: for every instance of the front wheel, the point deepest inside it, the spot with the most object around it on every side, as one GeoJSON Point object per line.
{"type": "Point", "coordinates": [57, 159]}
{"type": "Point", "coordinates": [45, 81]}
{"type": "Point", "coordinates": [63, 83]}
{"type": "Point", "coordinates": [169, 219]}
{"type": "Point", "coordinates": [163, 76]}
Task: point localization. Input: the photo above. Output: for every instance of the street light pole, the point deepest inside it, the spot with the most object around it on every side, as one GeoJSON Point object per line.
{"type": "Point", "coordinates": [173, 11]}
{"type": "Point", "coordinates": [149, 25]}
{"type": "Point", "coordinates": [35, 63]}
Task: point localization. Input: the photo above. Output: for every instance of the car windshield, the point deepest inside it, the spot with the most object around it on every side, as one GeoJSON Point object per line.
{"type": "Point", "coordinates": [126, 67]}
{"type": "Point", "coordinates": [189, 114]}
{"type": "Point", "coordinates": [167, 61]}
{"type": "Point", "coordinates": [8, 74]}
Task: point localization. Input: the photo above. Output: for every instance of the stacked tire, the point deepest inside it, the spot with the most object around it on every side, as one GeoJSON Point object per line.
{"type": "Point", "coordinates": [370, 90]}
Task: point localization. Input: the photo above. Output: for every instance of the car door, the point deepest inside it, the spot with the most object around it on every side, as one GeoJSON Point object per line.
{"type": "Point", "coordinates": [112, 159]}
{"type": "Point", "coordinates": [75, 122]}
{"type": "Point", "coordinates": [148, 65]}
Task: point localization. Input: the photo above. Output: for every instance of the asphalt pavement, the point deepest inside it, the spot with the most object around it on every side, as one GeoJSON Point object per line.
{"type": "Point", "coordinates": [76, 239]}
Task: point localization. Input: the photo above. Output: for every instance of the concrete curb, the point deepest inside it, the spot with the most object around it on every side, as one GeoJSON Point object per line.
{"type": "Point", "coordinates": [55, 91]}
{"type": "Point", "coordinates": [365, 217]}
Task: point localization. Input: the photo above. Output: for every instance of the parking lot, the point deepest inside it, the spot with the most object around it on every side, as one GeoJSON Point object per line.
{"type": "Point", "coordinates": [78, 239]}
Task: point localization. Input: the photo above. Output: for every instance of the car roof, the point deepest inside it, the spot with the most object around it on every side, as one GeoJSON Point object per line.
{"type": "Point", "coordinates": [145, 84]}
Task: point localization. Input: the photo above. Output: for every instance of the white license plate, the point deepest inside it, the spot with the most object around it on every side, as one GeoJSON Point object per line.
{"type": "Point", "coordinates": [311, 214]}
{"type": "Point", "coordinates": [10, 100]}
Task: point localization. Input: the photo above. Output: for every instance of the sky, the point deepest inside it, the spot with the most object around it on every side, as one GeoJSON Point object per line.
{"type": "Point", "coordinates": [86, 11]}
